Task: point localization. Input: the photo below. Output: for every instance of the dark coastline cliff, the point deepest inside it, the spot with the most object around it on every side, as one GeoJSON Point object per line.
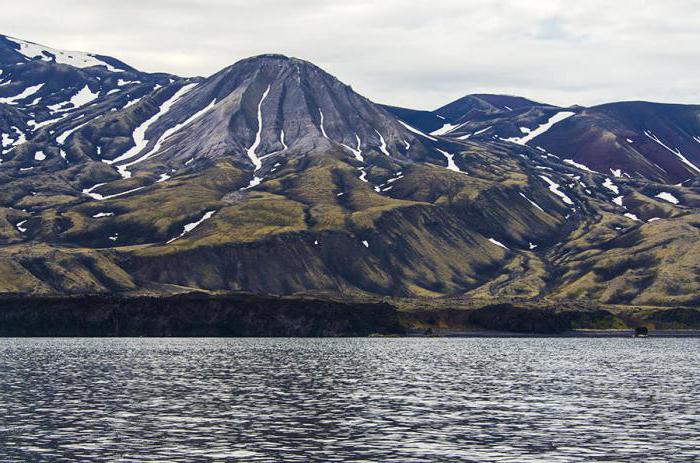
{"type": "Point", "coordinates": [192, 315]}
{"type": "Point", "coordinates": [246, 315]}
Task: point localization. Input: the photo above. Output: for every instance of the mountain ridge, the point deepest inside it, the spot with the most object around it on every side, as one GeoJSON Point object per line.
{"type": "Point", "coordinates": [274, 177]}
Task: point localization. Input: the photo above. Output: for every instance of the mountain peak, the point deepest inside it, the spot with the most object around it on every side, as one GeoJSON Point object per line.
{"type": "Point", "coordinates": [13, 50]}
{"type": "Point", "coordinates": [484, 102]}
{"type": "Point", "coordinates": [269, 56]}
{"type": "Point", "coordinates": [273, 107]}
{"type": "Point", "coordinates": [274, 66]}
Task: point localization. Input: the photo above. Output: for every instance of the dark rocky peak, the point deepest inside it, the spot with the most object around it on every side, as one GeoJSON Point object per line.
{"type": "Point", "coordinates": [273, 105]}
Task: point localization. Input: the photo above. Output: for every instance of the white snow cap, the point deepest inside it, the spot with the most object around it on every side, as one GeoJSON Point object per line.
{"type": "Point", "coordinates": [73, 58]}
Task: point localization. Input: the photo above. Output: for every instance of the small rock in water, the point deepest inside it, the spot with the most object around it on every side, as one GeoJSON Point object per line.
{"type": "Point", "coordinates": [641, 331]}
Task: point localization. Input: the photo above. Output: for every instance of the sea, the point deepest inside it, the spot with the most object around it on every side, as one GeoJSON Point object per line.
{"type": "Point", "coordinates": [350, 400]}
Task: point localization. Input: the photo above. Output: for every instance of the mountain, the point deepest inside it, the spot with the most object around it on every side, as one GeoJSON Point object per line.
{"type": "Point", "coordinates": [274, 177]}
{"type": "Point", "coordinates": [653, 141]}
{"type": "Point", "coordinates": [47, 94]}
{"type": "Point", "coordinates": [659, 142]}
{"type": "Point", "coordinates": [47, 84]}
{"type": "Point", "coordinates": [479, 114]}
{"type": "Point", "coordinates": [268, 106]}
{"type": "Point", "coordinates": [459, 110]}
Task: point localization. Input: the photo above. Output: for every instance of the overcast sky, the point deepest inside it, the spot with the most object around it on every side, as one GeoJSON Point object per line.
{"type": "Point", "coordinates": [419, 54]}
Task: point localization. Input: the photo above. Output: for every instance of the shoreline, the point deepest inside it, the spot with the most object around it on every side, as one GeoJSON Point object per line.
{"type": "Point", "coordinates": [565, 334]}
{"type": "Point", "coordinates": [249, 315]}
{"type": "Point", "coordinates": [475, 334]}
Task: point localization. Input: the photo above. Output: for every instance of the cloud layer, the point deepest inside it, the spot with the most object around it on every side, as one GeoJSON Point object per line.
{"type": "Point", "coordinates": [411, 53]}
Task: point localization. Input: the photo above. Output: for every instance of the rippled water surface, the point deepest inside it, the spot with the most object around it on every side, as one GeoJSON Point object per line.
{"type": "Point", "coordinates": [369, 400]}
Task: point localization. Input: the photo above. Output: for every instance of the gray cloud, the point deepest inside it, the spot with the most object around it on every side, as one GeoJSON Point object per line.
{"type": "Point", "coordinates": [404, 52]}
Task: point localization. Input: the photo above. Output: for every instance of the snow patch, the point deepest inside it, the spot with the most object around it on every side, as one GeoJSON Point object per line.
{"type": "Point", "coordinates": [323, 130]}
{"type": "Point", "coordinates": [132, 102]}
{"type": "Point", "coordinates": [99, 197]}
{"type": "Point", "coordinates": [447, 128]}
{"type": "Point", "coordinates": [611, 186]}
{"type": "Point", "coordinates": [39, 156]}
{"type": "Point", "coordinates": [579, 165]}
{"type": "Point", "coordinates": [163, 177]}
{"type": "Point", "coordinates": [191, 226]}
{"type": "Point", "coordinates": [531, 202]}
{"type": "Point", "coordinates": [61, 139]}
{"type": "Point", "coordinates": [676, 151]}
{"type": "Point", "coordinates": [29, 91]}
{"type": "Point", "coordinates": [558, 117]}
{"type": "Point", "coordinates": [253, 183]}
{"type": "Point", "coordinates": [6, 140]}
{"type": "Point", "coordinates": [382, 146]}
{"type": "Point", "coordinates": [498, 243]}
{"type": "Point", "coordinates": [83, 97]}
{"type": "Point", "coordinates": [139, 135]}
{"type": "Point", "coordinates": [89, 191]}
{"type": "Point", "coordinates": [73, 58]}
{"type": "Point", "coordinates": [99, 215]}
{"type": "Point", "coordinates": [251, 151]}
{"type": "Point", "coordinates": [479, 132]}
{"type": "Point", "coordinates": [167, 134]}
{"type": "Point", "coordinates": [284, 145]}
{"type": "Point", "coordinates": [450, 160]}
{"type": "Point", "coordinates": [554, 188]}
{"type": "Point", "coordinates": [20, 226]}
{"type": "Point", "coordinates": [37, 125]}
{"type": "Point", "coordinates": [417, 132]}
{"type": "Point", "coordinates": [667, 197]}
{"type": "Point", "coordinates": [363, 174]}
{"type": "Point", "coordinates": [357, 152]}
{"type": "Point", "coordinates": [284, 148]}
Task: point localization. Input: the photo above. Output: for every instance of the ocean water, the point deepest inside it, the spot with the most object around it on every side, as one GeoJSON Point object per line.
{"type": "Point", "coordinates": [350, 400]}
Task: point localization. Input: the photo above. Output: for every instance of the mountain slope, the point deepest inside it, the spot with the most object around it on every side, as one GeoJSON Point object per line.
{"type": "Point", "coordinates": [274, 177]}
{"type": "Point", "coordinates": [657, 142]}
{"type": "Point", "coordinates": [47, 93]}
{"type": "Point", "coordinates": [270, 105]}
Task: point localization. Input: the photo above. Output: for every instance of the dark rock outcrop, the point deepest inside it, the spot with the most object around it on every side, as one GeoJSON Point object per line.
{"type": "Point", "coordinates": [192, 315]}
